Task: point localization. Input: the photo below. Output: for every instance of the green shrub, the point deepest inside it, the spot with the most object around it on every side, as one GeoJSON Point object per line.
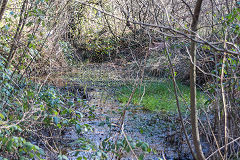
{"type": "Point", "coordinates": [26, 107]}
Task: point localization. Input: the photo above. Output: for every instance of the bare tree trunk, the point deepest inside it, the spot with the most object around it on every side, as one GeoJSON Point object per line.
{"type": "Point", "coordinates": [3, 7]}
{"type": "Point", "coordinates": [194, 116]}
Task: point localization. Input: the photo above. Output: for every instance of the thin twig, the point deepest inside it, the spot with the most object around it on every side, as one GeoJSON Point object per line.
{"type": "Point", "coordinates": [223, 147]}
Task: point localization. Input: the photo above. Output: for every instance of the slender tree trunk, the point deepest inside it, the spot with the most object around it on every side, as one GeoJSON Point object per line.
{"type": "Point", "coordinates": [194, 116]}
{"type": "Point", "coordinates": [224, 101]}
{"type": "Point", "coordinates": [17, 35]}
{"type": "Point", "coordinates": [177, 100]}
{"type": "Point", "coordinates": [3, 7]}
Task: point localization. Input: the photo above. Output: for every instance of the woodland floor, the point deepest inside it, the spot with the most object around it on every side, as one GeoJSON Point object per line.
{"type": "Point", "coordinates": [160, 130]}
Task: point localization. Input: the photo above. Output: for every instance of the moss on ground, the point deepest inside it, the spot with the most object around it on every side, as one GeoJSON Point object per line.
{"type": "Point", "coordinates": [158, 96]}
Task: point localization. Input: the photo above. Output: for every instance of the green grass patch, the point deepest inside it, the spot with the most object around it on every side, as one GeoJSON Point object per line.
{"type": "Point", "coordinates": [158, 96]}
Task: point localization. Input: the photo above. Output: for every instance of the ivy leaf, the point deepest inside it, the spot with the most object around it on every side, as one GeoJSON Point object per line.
{"type": "Point", "coordinates": [141, 157]}
{"type": "Point", "coordinates": [28, 146]}
{"type": "Point", "coordinates": [139, 144]}
{"type": "Point", "coordinates": [10, 145]}
{"type": "Point", "coordinates": [7, 27]}
{"type": "Point", "coordinates": [41, 151]}
{"type": "Point", "coordinates": [29, 24]}
{"type": "Point", "coordinates": [78, 128]}
{"type": "Point", "coordinates": [144, 147]}
{"type": "Point", "coordinates": [55, 120]}
{"type": "Point", "coordinates": [2, 116]}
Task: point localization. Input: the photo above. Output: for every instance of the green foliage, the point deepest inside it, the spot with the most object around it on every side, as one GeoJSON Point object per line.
{"type": "Point", "coordinates": [9, 142]}
{"type": "Point", "coordinates": [24, 149]}
{"type": "Point", "coordinates": [69, 52]}
{"type": "Point", "coordinates": [122, 145]}
{"type": "Point", "coordinates": [47, 107]}
{"type": "Point", "coordinates": [233, 21]}
{"type": "Point", "coordinates": [99, 50]}
{"type": "Point", "coordinates": [158, 96]}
